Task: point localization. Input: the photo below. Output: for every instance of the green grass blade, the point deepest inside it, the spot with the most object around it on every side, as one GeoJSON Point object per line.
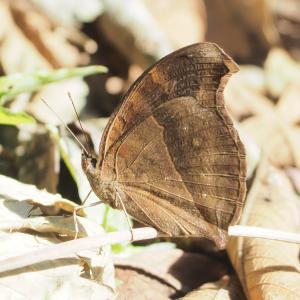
{"type": "Point", "coordinates": [10, 118]}
{"type": "Point", "coordinates": [15, 84]}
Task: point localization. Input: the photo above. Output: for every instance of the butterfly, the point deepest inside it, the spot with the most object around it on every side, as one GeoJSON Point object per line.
{"type": "Point", "coordinates": [170, 153]}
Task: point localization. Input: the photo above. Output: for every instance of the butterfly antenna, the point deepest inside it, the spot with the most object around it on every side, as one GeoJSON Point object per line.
{"type": "Point", "coordinates": [66, 126]}
{"type": "Point", "coordinates": [80, 124]}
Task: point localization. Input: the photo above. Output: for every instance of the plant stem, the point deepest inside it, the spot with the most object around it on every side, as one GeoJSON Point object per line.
{"type": "Point", "coordinates": [70, 247]}
{"type": "Point", "coordinates": [264, 233]}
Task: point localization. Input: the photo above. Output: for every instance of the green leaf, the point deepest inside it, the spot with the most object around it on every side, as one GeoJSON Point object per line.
{"type": "Point", "coordinates": [15, 84]}
{"type": "Point", "coordinates": [10, 118]}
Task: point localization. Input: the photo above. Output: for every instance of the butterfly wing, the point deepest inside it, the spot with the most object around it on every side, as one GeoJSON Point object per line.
{"type": "Point", "coordinates": [171, 149]}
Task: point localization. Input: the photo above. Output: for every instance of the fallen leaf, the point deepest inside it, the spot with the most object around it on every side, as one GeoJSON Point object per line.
{"type": "Point", "coordinates": [59, 279]}
{"type": "Point", "coordinates": [29, 194]}
{"type": "Point", "coordinates": [268, 269]}
{"type": "Point", "coordinates": [180, 270]}
{"type": "Point", "coordinates": [227, 288]}
{"type": "Point", "coordinates": [84, 275]}
{"type": "Point", "coordinates": [135, 285]}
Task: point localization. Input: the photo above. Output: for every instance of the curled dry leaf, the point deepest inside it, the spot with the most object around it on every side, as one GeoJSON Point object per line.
{"type": "Point", "coordinates": [178, 270]}
{"type": "Point", "coordinates": [29, 194]}
{"type": "Point", "coordinates": [227, 288]}
{"type": "Point", "coordinates": [269, 269]}
{"type": "Point", "coordinates": [58, 279]}
{"type": "Point", "coordinates": [86, 275]}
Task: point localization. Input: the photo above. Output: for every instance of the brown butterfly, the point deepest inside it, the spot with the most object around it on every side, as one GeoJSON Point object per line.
{"type": "Point", "coordinates": [170, 151]}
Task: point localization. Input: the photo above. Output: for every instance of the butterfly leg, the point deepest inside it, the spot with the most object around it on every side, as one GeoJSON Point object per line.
{"type": "Point", "coordinates": [126, 214]}
{"type": "Point", "coordinates": [82, 207]}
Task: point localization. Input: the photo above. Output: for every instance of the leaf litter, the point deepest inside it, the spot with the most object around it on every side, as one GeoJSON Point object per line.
{"type": "Point", "coordinates": [264, 101]}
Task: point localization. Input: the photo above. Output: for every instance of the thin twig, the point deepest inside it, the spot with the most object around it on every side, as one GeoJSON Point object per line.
{"type": "Point", "coordinates": [264, 233]}
{"type": "Point", "coordinates": [70, 247]}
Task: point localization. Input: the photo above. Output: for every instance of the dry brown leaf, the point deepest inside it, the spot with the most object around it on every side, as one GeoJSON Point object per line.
{"type": "Point", "coordinates": [30, 195]}
{"type": "Point", "coordinates": [58, 279]}
{"type": "Point", "coordinates": [177, 269]}
{"type": "Point", "coordinates": [227, 288]}
{"type": "Point", "coordinates": [60, 225]}
{"type": "Point", "coordinates": [135, 285]}
{"type": "Point", "coordinates": [85, 275]}
{"type": "Point", "coordinates": [269, 269]}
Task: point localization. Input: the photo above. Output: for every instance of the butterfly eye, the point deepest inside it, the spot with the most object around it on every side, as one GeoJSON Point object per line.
{"type": "Point", "coordinates": [94, 162]}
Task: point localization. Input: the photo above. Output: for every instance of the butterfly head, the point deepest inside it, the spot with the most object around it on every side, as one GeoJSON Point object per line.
{"type": "Point", "coordinates": [105, 191]}
{"type": "Point", "coordinates": [89, 164]}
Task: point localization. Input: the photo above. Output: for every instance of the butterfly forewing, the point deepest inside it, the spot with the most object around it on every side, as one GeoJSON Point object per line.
{"type": "Point", "coordinates": [171, 151]}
